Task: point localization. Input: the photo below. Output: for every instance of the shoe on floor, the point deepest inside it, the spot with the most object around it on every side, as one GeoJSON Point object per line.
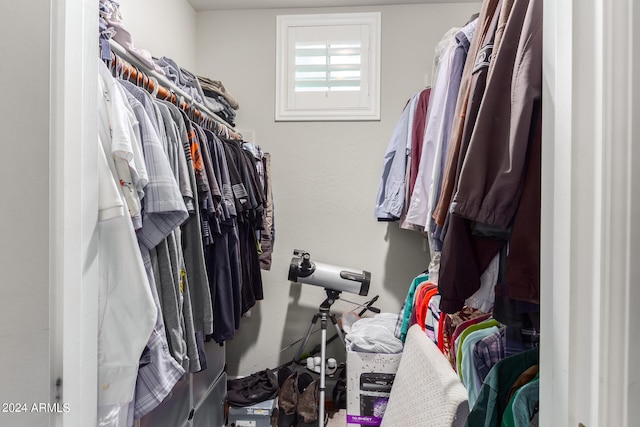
{"type": "Point", "coordinates": [287, 397]}
{"type": "Point", "coordinates": [250, 392]}
{"type": "Point", "coordinates": [307, 410]}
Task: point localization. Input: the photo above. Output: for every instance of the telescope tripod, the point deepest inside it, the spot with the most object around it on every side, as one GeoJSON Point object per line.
{"type": "Point", "coordinates": [324, 313]}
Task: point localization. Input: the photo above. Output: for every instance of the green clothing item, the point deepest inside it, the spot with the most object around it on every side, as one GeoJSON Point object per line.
{"type": "Point", "coordinates": [470, 377]}
{"type": "Point", "coordinates": [525, 402]}
{"type": "Point", "coordinates": [492, 399]}
{"type": "Point", "coordinates": [507, 417]}
{"type": "Point", "coordinates": [408, 305]}
{"type": "Point", "coordinates": [489, 323]}
{"type": "Point", "coordinates": [521, 408]}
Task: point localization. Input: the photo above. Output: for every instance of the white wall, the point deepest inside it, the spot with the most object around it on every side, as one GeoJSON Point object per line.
{"type": "Point", "coordinates": [24, 225]}
{"type": "Point", "coordinates": [325, 174]}
{"type": "Point", "coordinates": [163, 27]}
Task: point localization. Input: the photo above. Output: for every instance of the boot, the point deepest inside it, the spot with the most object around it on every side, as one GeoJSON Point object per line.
{"type": "Point", "coordinates": [287, 397]}
{"type": "Point", "coordinates": [307, 410]}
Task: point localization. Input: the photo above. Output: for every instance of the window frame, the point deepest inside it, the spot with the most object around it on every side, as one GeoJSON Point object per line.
{"type": "Point", "coordinates": [285, 82]}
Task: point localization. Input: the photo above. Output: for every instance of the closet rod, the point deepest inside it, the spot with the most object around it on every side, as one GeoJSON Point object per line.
{"type": "Point", "coordinates": [166, 89]}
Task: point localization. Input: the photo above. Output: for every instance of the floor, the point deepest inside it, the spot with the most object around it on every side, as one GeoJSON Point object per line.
{"type": "Point", "coordinates": [338, 419]}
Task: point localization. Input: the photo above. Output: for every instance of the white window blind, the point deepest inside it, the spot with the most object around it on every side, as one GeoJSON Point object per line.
{"type": "Point", "coordinates": [328, 67]}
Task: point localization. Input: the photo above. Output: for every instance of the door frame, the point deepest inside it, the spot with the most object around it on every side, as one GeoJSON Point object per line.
{"type": "Point", "coordinates": [73, 210]}
{"type": "Point", "coordinates": [590, 227]}
{"type": "Point", "coordinates": [590, 212]}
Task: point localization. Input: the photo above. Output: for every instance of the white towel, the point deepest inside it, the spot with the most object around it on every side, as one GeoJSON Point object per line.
{"type": "Point", "coordinates": [426, 391]}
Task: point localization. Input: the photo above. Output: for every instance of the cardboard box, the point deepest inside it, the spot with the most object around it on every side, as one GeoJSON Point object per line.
{"type": "Point", "coordinates": [369, 380]}
{"type": "Point", "coordinates": [261, 414]}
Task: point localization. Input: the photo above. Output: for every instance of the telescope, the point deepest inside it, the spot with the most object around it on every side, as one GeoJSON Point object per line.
{"type": "Point", "coordinates": [334, 280]}
{"type": "Point", "coordinates": [330, 277]}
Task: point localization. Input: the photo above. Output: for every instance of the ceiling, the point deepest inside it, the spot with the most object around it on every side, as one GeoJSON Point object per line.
{"type": "Point", "coordinates": [277, 4]}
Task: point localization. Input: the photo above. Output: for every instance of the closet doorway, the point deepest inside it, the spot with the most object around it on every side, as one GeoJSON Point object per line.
{"type": "Point", "coordinates": [591, 201]}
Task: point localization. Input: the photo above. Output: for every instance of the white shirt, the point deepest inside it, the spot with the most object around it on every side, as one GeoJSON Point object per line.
{"type": "Point", "coordinates": [116, 131]}
{"type": "Point", "coordinates": [126, 310]}
{"type": "Point", "coordinates": [419, 205]}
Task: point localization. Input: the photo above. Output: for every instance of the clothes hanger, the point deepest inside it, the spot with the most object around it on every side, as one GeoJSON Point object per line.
{"type": "Point", "coordinates": [128, 70]}
{"type": "Point", "coordinates": [139, 77]}
{"type": "Point", "coordinates": [156, 86]}
{"type": "Point", "coordinates": [119, 67]}
{"type": "Point", "coordinates": [111, 64]}
{"type": "Point", "coordinates": [167, 96]}
{"type": "Point", "coordinates": [122, 66]}
{"type": "Point", "coordinates": [133, 73]}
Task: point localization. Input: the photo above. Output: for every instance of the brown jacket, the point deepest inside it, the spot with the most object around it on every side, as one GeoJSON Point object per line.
{"type": "Point", "coordinates": [484, 20]}
{"type": "Point", "coordinates": [491, 176]}
{"type": "Point", "coordinates": [493, 165]}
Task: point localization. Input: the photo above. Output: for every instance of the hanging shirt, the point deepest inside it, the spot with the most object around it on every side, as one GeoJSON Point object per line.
{"type": "Point", "coordinates": [418, 208]}
{"type": "Point", "coordinates": [441, 210]}
{"type": "Point", "coordinates": [405, 312]}
{"type": "Point", "coordinates": [463, 43]}
{"type": "Point", "coordinates": [222, 255]}
{"type": "Point", "coordinates": [489, 186]}
{"type": "Point", "coordinates": [524, 404]}
{"type": "Point", "coordinates": [492, 399]}
{"type": "Point", "coordinates": [459, 330]}
{"type": "Point", "coordinates": [167, 259]}
{"type": "Point", "coordinates": [125, 305]}
{"type": "Point", "coordinates": [267, 237]}
{"type": "Point", "coordinates": [483, 299]}
{"type": "Point", "coordinates": [164, 207]}
{"type": "Point", "coordinates": [417, 138]}
{"type": "Point", "coordinates": [466, 370]}
{"type": "Point", "coordinates": [115, 127]}
{"type": "Point", "coordinates": [433, 319]}
{"type": "Point", "coordinates": [464, 258]}
{"type": "Point", "coordinates": [164, 210]}
{"type": "Point", "coordinates": [391, 191]}
{"type": "Point", "coordinates": [197, 282]}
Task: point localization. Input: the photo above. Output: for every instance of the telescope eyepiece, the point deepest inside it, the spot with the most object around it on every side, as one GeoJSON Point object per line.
{"type": "Point", "coordinates": [305, 265]}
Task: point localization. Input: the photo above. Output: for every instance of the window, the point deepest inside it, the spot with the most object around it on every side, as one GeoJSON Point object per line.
{"type": "Point", "coordinates": [328, 66]}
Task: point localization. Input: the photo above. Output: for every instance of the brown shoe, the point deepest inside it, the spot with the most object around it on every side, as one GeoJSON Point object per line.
{"type": "Point", "coordinates": [308, 390]}
{"type": "Point", "coordinates": [287, 397]}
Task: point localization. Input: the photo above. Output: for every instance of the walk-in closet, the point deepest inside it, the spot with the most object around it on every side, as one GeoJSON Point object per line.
{"type": "Point", "coordinates": [199, 217]}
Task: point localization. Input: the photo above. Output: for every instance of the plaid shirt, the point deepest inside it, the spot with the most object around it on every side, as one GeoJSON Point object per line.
{"type": "Point", "coordinates": [164, 210]}
{"type": "Point", "coordinates": [492, 349]}
{"type": "Point", "coordinates": [163, 205]}
{"type": "Point", "coordinates": [157, 378]}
